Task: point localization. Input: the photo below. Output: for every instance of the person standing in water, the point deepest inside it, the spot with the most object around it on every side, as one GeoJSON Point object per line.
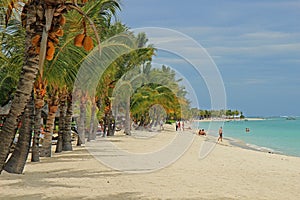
{"type": "Point", "coordinates": [220, 134]}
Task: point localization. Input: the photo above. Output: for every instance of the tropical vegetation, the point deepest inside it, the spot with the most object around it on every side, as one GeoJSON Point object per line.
{"type": "Point", "coordinates": [43, 45]}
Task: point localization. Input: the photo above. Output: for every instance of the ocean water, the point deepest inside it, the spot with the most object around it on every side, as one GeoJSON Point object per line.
{"type": "Point", "coordinates": [276, 135]}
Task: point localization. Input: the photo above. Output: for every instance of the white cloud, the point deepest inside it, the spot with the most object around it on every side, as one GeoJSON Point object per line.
{"type": "Point", "coordinates": [267, 35]}
{"type": "Point", "coordinates": [260, 50]}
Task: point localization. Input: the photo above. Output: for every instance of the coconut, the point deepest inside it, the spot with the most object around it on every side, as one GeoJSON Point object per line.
{"type": "Point", "coordinates": [50, 51]}
{"type": "Point", "coordinates": [88, 43]}
{"type": "Point", "coordinates": [62, 20]}
{"type": "Point", "coordinates": [59, 32]}
{"type": "Point", "coordinates": [35, 40]}
{"type": "Point", "coordinates": [78, 40]}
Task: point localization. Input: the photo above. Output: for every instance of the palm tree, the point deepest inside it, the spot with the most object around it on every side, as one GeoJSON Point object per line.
{"type": "Point", "coordinates": [17, 160]}
{"type": "Point", "coordinates": [161, 77]}
{"type": "Point", "coordinates": [39, 18]}
{"type": "Point", "coordinates": [53, 15]}
{"type": "Point", "coordinates": [150, 95]}
{"type": "Point", "coordinates": [129, 62]}
{"type": "Point", "coordinates": [24, 88]}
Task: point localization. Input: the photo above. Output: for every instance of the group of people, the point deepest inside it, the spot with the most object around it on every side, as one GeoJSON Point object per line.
{"type": "Point", "coordinates": [220, 138]}
{"type": "Point", "coordinates": [179, 125]}
{"type": "Point", "coordinates": [201, 132]}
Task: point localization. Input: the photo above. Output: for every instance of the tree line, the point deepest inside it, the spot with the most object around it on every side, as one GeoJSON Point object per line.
{"type": "Point", "coordinates": [42, 51]}
{"type": "Point", "coordinates": [202, 114]}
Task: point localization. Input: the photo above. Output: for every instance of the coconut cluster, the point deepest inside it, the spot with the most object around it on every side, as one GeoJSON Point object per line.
{"type": "Point", "coordinates": [55, 32]}
{"type": "Point", "coordinates": [85, 41]}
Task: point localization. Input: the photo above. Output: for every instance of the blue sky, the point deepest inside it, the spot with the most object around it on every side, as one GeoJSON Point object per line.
{"type": "Point", "coordinates": [255, 45]}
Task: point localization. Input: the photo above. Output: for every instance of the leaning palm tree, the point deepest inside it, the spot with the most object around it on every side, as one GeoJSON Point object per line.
{"type": "Point", "coordinates": [17, 160]}
{"type": "Point", "coordinates": [40, 20]}
{"type": "Point", "coordinates": [150, 95]}
{"type": "Point", "coordinates": [29, 70]}
{"type": "Point", "coordinates": [63, 68]}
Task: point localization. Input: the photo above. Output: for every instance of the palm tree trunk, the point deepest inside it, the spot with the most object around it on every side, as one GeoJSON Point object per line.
{"type": "Point", "coordinates": [93, 115]}
{"type": "Point", "coordinates": [35, 152]}
{"type": "Point", "coordinates": [17, 161]}
{"type": "Point", "coordinates": [53, 102]}
{"type": "Point", "coordinates": [25, 85]}
{"type": "Point", "coordinates": [61, 125]}
{"type": "Point", "coordinates": [67, 135]}
{"type": "Point", "coordinates": [62, 117]}
{"type": "Point", "coordinates": [105, 125]}
{"type": "Point", "coordinates": [127, 130]}
{"type": "Point", "coordinates": [95, 127]}
{"type": "Point", "coordinates": [111, 125]}
{"type": "Point", "coordinates": [40, 91]}
{"type": "Point", "coordinates": [82, 119]}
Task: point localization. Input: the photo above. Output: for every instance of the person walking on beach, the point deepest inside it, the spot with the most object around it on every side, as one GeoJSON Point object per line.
{"type": "Point", "coordinates": [220, 134]}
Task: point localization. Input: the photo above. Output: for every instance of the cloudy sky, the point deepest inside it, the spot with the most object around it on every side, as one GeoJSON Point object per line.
{"type": "Point", "coordinates": [255, 46]}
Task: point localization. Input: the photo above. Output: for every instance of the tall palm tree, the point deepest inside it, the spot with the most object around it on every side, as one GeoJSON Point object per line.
{"type": "Point", "coordinates": [39, 18]}
{"type": "Point", "coordinates": [122, 65]}
{"type": "Point", "coordinates": [24, 88]}
{"type": "Point", "coordinates": [68, 60]}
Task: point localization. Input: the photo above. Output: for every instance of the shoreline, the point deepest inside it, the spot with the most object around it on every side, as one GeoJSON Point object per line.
{"type": "Point", "coordinates": [228, 141]}
{"type": "Point", "coordinates": [252, 145]}
{"type": "Point", "coordinates": [227, 120]}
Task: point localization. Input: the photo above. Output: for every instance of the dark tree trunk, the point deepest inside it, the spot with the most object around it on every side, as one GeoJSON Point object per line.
{"type": "Point", "coordinates": [25, 85]}
{"type": "Point", "coordinates": [17, 161]}
{"type": "Point", "coordinates": [111, 125]}
{"type": "Point", "coordinates": [61, 125]}
{"type": "Point", "coordinates": [35, 151]}
{"type": "Point", "coordinates": [67, 135]}
{"type": "Point", "coordinates": [105, 125]}
{"type": "Point", "coordinates": [52, 106]}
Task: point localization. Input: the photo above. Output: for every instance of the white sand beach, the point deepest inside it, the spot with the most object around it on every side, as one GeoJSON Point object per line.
{"type": "Point", "coordinates": [228, 172]}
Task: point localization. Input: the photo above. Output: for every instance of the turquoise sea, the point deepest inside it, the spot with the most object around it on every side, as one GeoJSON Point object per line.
{"type": "Point", "coordinates": [275, 135]}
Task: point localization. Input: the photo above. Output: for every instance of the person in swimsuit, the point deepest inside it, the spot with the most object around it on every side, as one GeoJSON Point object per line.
{"type": "Point", "coordinates": [220, 134]}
